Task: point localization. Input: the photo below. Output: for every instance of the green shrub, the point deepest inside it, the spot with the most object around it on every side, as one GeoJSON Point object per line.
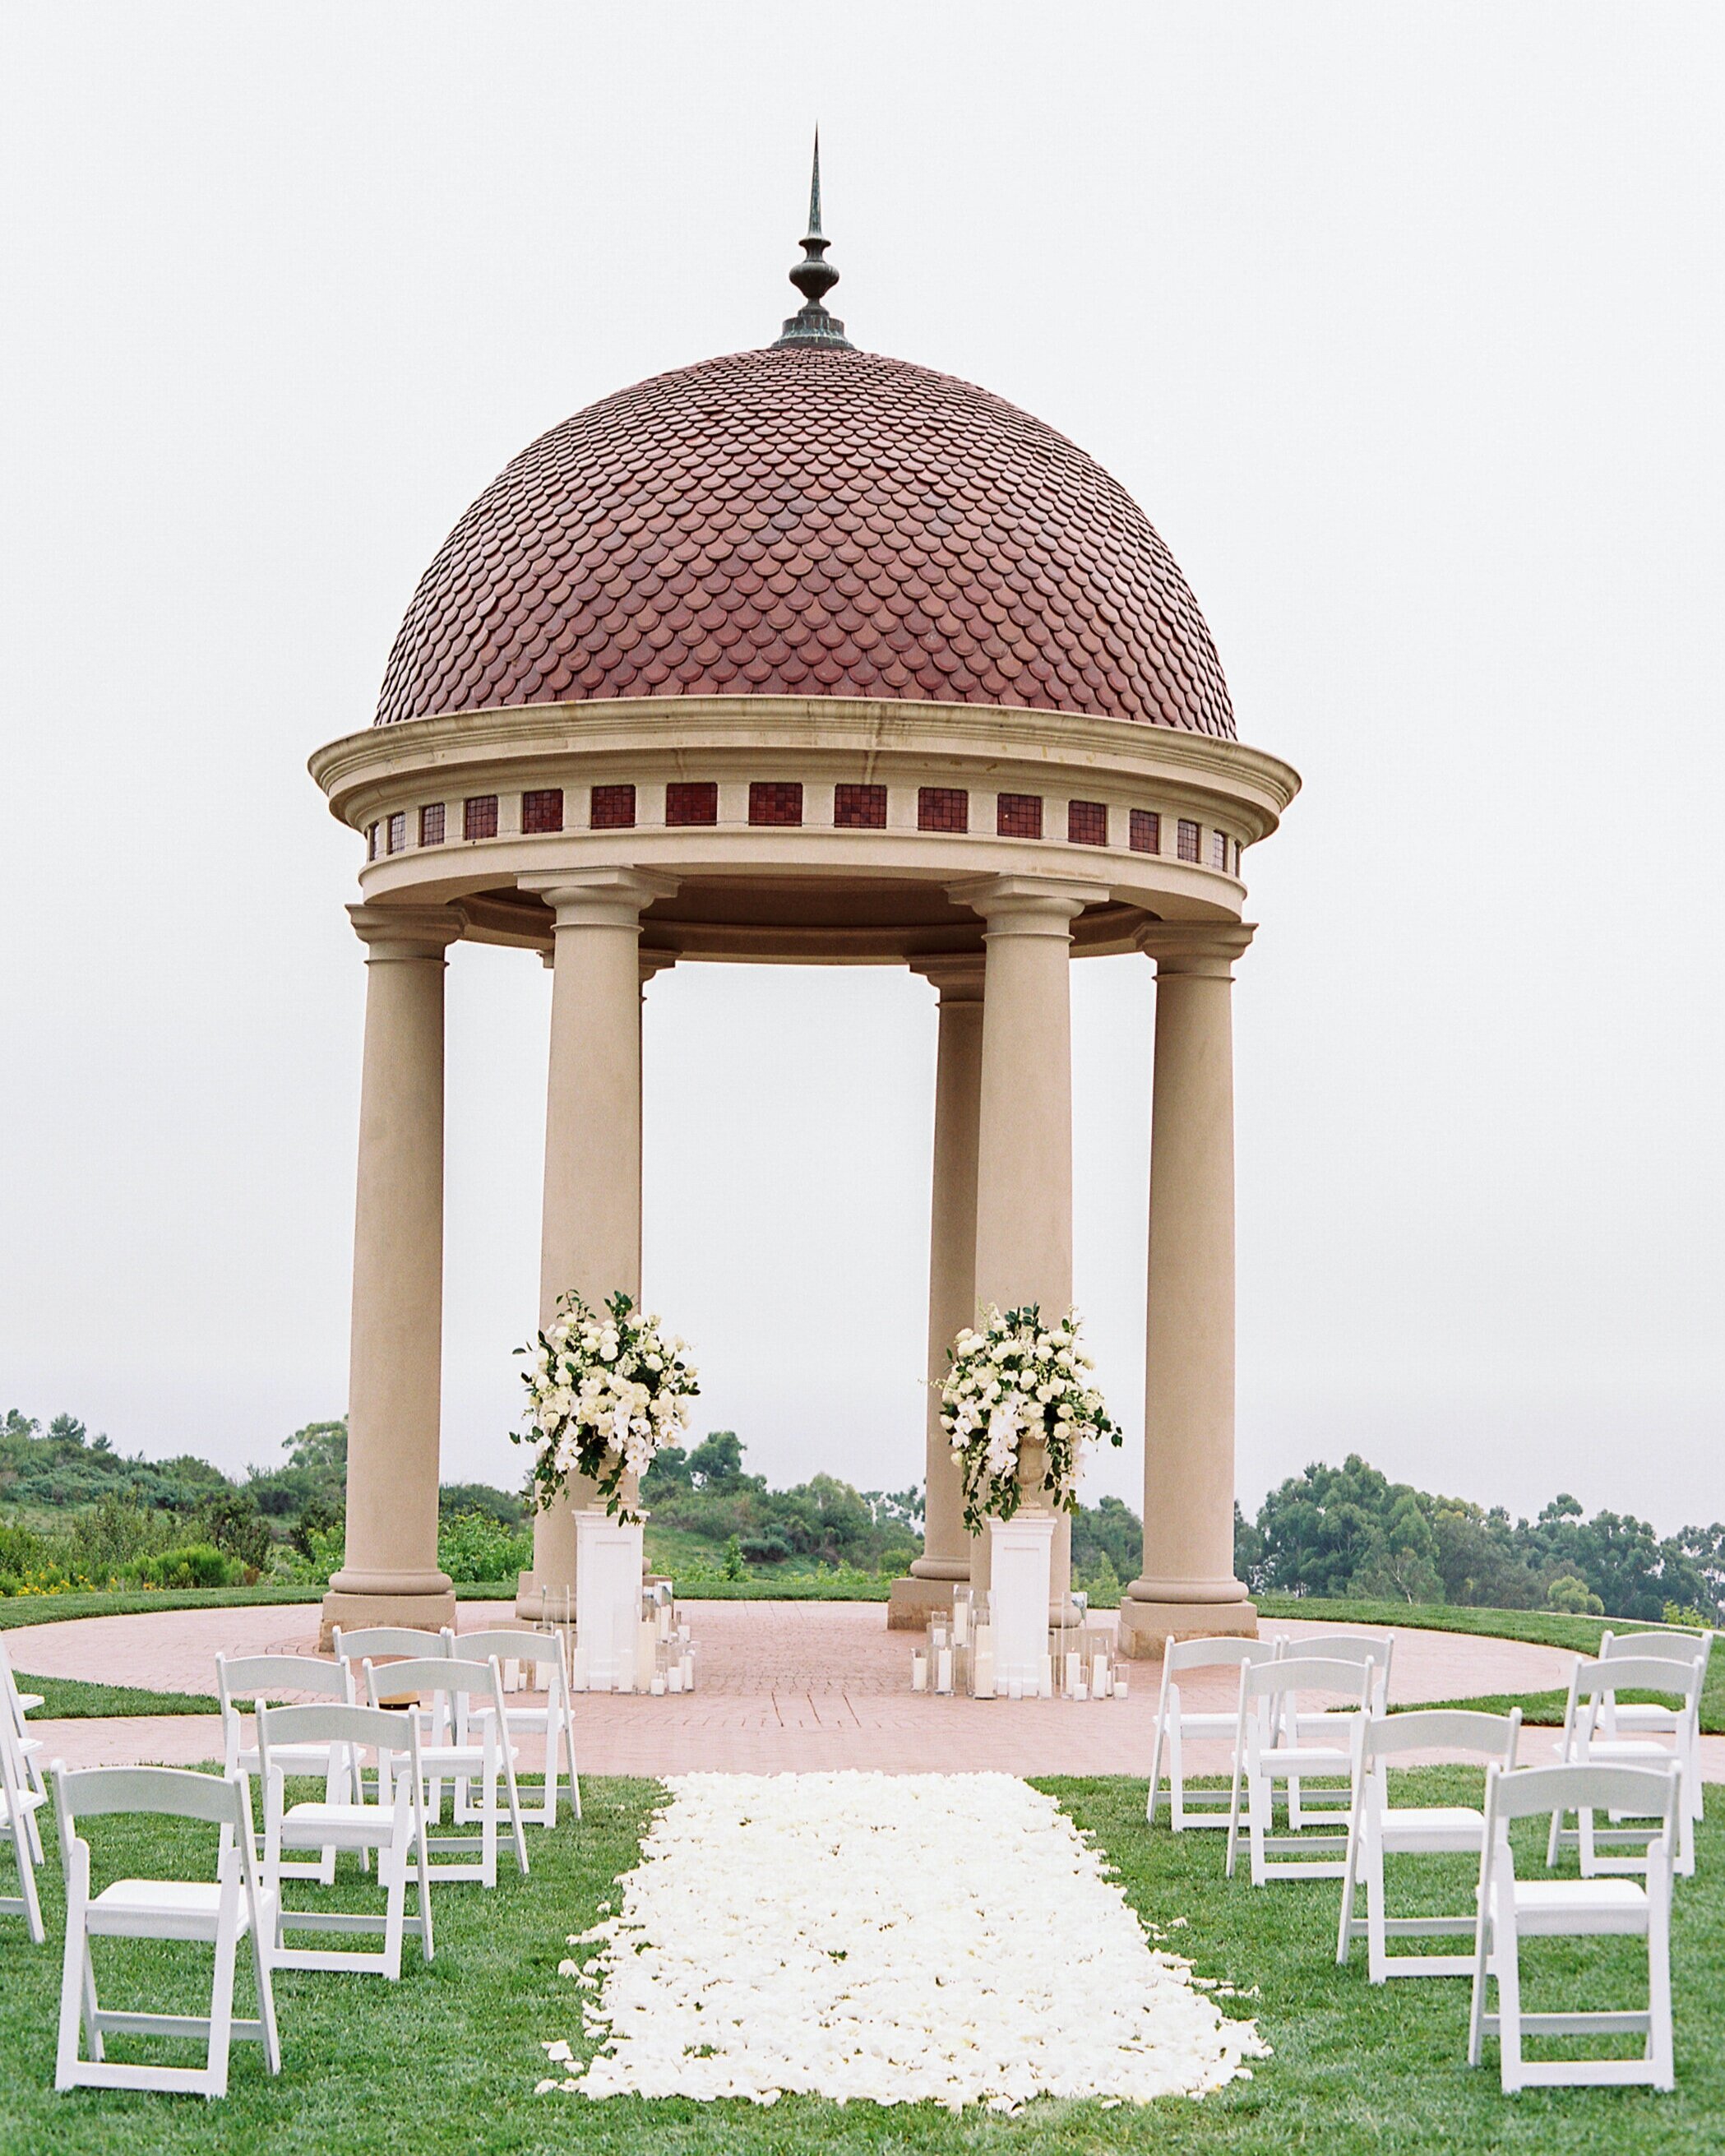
{"type": "Point", "coordinates": [477, 1545]}
{"type": "Point", "coordinates": [198, 1564]}
{"type": "Point", "coordinates": [733, 1566]}
{"type": "Point", "coordinates": [1573, 1597]}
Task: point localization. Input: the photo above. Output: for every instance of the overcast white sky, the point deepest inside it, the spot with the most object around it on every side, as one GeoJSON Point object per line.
{"type": "Point", "coordinates": [1405, 324]}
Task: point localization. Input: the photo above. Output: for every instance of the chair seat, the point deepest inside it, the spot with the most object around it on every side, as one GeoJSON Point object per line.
{"type": "Point", "coordinates": [290, 1758]}
{"type": "Point", "coordinates": [1418, 1822]}
{"type": "Point", "coordinates": [1206, 1724]}
{"type": "Point", "coordinates": [27, 1801]}
{"type": "Point", "coordinates": [314, 1825]}
{"type": "Point", "coordinates": [458, 1759]}
{"type": "Point", "coordinates": [1305, 1760]}
{"type": "Point", "coordinates": [1558, 1906]}
{"type": "Point", "coordinates": [1644, 1715]}
{"type": "Point", "coordinates": [161, 1909]}
{"type": "Point", "coordinates": [537, 1717]}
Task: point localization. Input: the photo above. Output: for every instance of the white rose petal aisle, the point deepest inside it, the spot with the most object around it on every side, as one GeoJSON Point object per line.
{"type": "Point", "coordinates": [606, 1391]}
{"type": "Point", "coordinates": [900, 1938]}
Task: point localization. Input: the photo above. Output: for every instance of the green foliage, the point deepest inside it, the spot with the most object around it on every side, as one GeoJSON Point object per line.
{"type": "Point", "coordinates": [716, 1465]}
{"type": "Point", "coordinates": [733, 1567]}
{"type": "Point", "coordinates": [1569, 1593]}
{"type": "Point", "coordinates": [499, 1505]}
{"type": "Point", "coordinates": [473, 1545]}
{"type": "Point", "coordinates": [199, 1565]}
{"type": "Point", "coordinates": [1349, 1531]}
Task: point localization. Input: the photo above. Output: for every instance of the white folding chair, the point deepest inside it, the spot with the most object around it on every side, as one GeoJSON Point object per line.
{"type": "Point", "coordinates": [245, 1679]}
{"type": "Point", "coordinates": [451, 1756]}
{"type": "Point", "coordinates": [18, 1805]}
{"type": "Point", "coordinates": [1642, 1717]}
{"type": "Point", "coordinates": [544, 1651]}
{"type": "Point", "coordinates": [1511, 1909]}
{"type": "Point", "coordinates": [14, 1706]}
{"type": "Point", "coordinates": [1176, 1721]}
{"type": "Point", "coordinates": [1269, 1707]}
{"type": "Point", "coordinates": [1376, 1829]}
{"type": "Point", "coordinates": [1593, 1686]}
{"type": "Point", "coordinates": [1376, 1648]}
{"type": "Point", "coordinates": [394, 1825]}
{"type": "Point", "coordinates": [374, 1643]}
{"type": "Point", "coordinates": [235, 1906]}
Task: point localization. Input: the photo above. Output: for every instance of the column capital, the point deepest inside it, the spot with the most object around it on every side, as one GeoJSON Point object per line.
{"type": "Point", "coordinates": [958, 975]}
{"type": "Point", "coordinates": [652, 962]}
{"type": "Point", "coordinates": [1205, 948]}
{"type": "Point", "coordinates": [599, 898]}
{"type": "Point", "coordinates": [1028, 905]}
{"type": "Point", "coordinates": [407, 931]}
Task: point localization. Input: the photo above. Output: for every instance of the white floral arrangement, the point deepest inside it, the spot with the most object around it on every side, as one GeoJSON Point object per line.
{"type": "Point", "coordinates": [606, 1391]}
{"type": "Point", "coordinates": [1016, 1379]}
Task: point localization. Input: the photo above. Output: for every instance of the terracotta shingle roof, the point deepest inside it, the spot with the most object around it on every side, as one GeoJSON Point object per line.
{"type": "Point", "coordinates": [807, 523]}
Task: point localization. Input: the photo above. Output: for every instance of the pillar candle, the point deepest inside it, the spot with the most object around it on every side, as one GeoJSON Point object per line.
{"type": "Point", "coordinates": [1073, 1675]}
{"type": "Point", "coordinates": [919, 1673]}
{"type": "Point", "coordinates": [578, 1675]}
{"type": "Point", "coordinates": [943, 1671]}
{"type": "Point", "coordinates": [1045, 1689]}
{"type": "Point", "coordinates": [1015, 1688]}
{"type": "Point", "coordinates": [984, 1666]}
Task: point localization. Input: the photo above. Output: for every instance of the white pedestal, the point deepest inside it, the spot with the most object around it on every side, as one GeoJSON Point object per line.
{"type": "Point", "coordinates": [607, 1600]}
{"type": "Point", "coordinates": [1021, 1561]}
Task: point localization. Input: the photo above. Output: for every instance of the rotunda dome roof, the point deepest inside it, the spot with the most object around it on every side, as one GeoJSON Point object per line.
{"type": "Point", "coordinates": [805, 522]}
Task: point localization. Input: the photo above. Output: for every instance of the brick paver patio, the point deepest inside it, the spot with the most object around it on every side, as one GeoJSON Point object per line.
{"type": "Point", "coordinates": [783, 1686]}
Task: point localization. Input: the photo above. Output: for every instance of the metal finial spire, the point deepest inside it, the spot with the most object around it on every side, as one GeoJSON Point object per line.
{"type": "Point", "coordinates": [814, 277]}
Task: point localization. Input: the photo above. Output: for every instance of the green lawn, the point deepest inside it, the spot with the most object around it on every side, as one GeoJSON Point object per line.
{"type": "Point", "coordinates": [446, 2060]}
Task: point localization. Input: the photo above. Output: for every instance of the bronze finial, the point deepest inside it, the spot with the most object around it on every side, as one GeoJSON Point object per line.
{"type": "Point", "coordinates": [814, 277]}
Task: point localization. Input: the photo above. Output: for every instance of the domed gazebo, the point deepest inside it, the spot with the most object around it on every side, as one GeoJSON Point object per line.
{"type": "Point", "coordinates": [807, 656]}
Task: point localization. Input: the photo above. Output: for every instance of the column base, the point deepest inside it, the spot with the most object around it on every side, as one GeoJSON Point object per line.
{"type": "Point", "coordinates": [353, 1613]}
{"type": "Point", "coordinates": [912, 1599]}
{"type": "Point", "coordinates": [1147, 1627]}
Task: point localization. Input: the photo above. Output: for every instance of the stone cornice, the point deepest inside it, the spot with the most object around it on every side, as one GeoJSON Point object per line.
{"type": "Point", "coordinates": [857, 733]}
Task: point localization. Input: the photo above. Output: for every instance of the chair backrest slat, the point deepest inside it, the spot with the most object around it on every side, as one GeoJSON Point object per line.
{"type": "Point", "coordinates": [1446, 1729]}
{"type": "Point", "coordinates": [1659, 1646]}
{"type": "Point", "coordinates": [1216, 1654]}
{"type": "Point", "coordinates": [375, 1639]}
{"type": "Point", "coordinates": [1532, 1792]}
{"type": "Point", "coordinates": [506, 1645]}
{"type": "Point", "coordinates": [434, 1674]}
{"type": "Point", "coordinates": [379, 1728]}
{"type": "Point", "coordinates": [246, 1677]}
{"type": "Point", "coordinates": [1304, 1673]}
{"type": "Point", "coordinates": [174, 1792]}
{"type": "Point", "coordinates": [1637, 1673]}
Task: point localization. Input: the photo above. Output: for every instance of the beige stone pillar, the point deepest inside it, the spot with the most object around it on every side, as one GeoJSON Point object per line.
{"type": "Point", "coordinates": [1187, 1588]}
{"type": "Point", "coordinates": [952, 1277]}
{"type": "Point", "coordinates": [390, 1574]}
{"type": "Point", "coordinates": [1023, 1204]}
{"type": "Point", "coordinates": [590, 1236]}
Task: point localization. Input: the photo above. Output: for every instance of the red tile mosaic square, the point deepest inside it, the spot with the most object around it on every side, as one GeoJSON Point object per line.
{"type": "Point", "coordinates": [613, 809]}
{"type": "Point", "coordinates": [815, 524]}
{"type": "Point", "coordinates": [1018, 815]}
{"type": "Point", "coordinates": [860, 808]}
{"type": "Point", "coordinates": [942, 808]}
{"type": "Point", "coordinates": [775, 801]}
{"type": "Point", "coordinates": [692, 801]}
{"type": "Point", "coordinates": [542, 810]}
{"type": "Point", "coordinates": [1186, 840]}
{"type": "Point", "coordinates": [478, 816]}
{"type": "Point", "coordinates": [1087, 823]}
{"type": "Point", "coordinates": [1144, 831]}
{"type": "Point", "coordinates": [396, 837]}
{"type": "Point", "coordinates": [431, 825]}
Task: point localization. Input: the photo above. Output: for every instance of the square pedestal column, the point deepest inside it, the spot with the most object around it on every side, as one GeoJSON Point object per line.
{"type": "Point", "coordinates": [1021, 1563]}
{"type": "Point", "coordinates": [607, 1600]}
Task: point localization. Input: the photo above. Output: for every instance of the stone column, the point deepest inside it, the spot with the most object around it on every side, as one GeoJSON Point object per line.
{"type": "Point", "coordinates": [590, 1237]}
{"type": "Point", "coordinates": [1188, 1587]}
{"type": "Point", "coordinates": [1024, 1204]}
{"type": "Point", "coordinates": [390, 1574]}
{"type": "Point", "coordinates": [952, 1277]}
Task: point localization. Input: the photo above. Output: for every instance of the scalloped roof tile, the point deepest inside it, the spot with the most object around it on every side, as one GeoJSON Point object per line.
{"type": "Point", "coordinates": [797, 520]}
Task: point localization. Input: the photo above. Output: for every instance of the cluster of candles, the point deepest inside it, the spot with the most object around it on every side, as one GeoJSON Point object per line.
{"type": "Point", "coordinates": [664, 1652]}
{"type": "Point", "coordinates": [956, 1658]}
